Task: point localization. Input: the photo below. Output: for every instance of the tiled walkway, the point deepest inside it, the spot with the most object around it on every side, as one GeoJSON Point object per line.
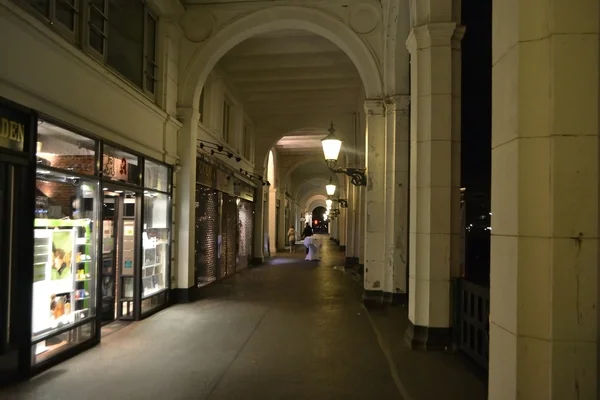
{"type": "Point", "coordinates": [292, 329]}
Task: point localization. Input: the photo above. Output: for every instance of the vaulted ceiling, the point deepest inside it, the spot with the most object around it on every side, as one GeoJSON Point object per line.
{"type": "Point", "coordinates": [292, 73]}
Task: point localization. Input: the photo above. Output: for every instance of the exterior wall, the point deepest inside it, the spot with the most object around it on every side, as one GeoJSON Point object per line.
{"type": "Point", "coordinates": [50, 74]}
{"type": "Point", "coordinates": [217, 90]}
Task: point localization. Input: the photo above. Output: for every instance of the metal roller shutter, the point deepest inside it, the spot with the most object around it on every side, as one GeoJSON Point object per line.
{"type": "Point", "coordinates": [245, 222]}
{"type": "Point", "coordinates": [230, 222]}
{"type": "Point", "coordinates": [207, 225]}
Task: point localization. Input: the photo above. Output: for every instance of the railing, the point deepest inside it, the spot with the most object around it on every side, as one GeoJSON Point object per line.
{"type": "Point", "coordinates": [472, 310]}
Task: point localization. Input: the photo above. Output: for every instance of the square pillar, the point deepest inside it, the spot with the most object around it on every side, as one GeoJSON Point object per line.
{"type": "Point", "coordinates": [350, 224]}
{"type": "Point", "coordinates": [360, 231]}
{"type": "Point", "coordinates": [258, 234]}
{"type": "Point", "coordinates": [401, 197]}
{"type": "Point", "coordinates": [185, 208]}
{"type": "Point", "coordinates": [272, 215]}
{"type": "Point", "coordinates": [376, 270]}
{"type": "Point", "coordinates": [544, 246]}
{"type": "Point", "coordinates": [434, 182]}
{"type": "Point", "coordinates": [281, 233]}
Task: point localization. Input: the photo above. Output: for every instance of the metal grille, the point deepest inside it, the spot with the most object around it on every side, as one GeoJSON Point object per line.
{"type": "Point", "coordinates": [230, 221]}
{"type": "Point", "coordinates": [245, 223]}
{"type": "Point", "coordinates": [472, 320]}
{"type": "Point", "coordinates": [207, 225]}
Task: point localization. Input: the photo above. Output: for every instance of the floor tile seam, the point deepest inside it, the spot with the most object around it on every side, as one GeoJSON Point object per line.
{"type": "Point", "coordinates": [389, 358]}
{"type": "Point", "coordinates": [216, 384]}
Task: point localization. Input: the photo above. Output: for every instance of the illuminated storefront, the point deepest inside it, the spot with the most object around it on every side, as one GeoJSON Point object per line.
{"type": "Point", "coordinates": [101, 242]}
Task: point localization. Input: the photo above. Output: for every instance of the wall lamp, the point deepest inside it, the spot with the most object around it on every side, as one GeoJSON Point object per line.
{"type": "Point", "coordinates": [218, 149]}
{"type": "Point", "coordinates": [330, 188]}
{"type": "Point", "coordinates": [331, 150]}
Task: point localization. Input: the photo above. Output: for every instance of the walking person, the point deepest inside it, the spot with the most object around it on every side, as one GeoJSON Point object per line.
{"type": "Point", "coordinates": [307, 233]}
{"type": "Point", "coordinates": [292, 239]}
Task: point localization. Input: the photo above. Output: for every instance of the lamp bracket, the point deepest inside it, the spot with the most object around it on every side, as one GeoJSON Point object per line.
{"type": "Point", "coordinates": [357, 175]}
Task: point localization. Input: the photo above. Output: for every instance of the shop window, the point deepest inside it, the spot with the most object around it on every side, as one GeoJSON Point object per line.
{"type": "Point", "coordinates": [155, 240]}
{"type": "Point", "coordinates": [119, 165]}
{"type": "Point", "coordinates": [64, 265]}
{"type": "Point", "coordinates": [156, 176]}
{"type": "Point", "coordinates": [60, 148]}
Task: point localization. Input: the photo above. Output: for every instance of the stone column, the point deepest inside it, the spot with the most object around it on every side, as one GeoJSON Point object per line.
{"type": "Point", "coordinates": [258, 234]}
{"type": "Point", "coordinates": [391, 255]}
{"type": "Point", "coordinates": [281, 234]}
{"type": "Point", "coordinates": [544, 246]}
{"type": "Point", "coordinates": [272, 221]}
{"type": "Point", "coordinates": [401, 179]}
{"type": "Point", "coordinates": [360, 231]}
{"type": "Point", "coordinates": [350, 225]}
{"type": "Point", "coordinates": [185, 207]}
{"type": "Point", "coordinates": [374, 224]}
{"type": "Point", "coordinates": [434, 182]}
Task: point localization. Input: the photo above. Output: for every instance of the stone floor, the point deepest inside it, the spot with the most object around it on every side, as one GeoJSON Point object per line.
{"type": "Point", "coordinates": [291, 329]}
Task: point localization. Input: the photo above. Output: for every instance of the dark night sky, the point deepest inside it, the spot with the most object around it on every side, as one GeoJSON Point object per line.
{"type": "Point", "coordinates": [476, 95]}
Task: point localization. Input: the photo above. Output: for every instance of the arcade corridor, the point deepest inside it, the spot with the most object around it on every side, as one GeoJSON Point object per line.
{"type": "Point", "coordinates": [279, 331]}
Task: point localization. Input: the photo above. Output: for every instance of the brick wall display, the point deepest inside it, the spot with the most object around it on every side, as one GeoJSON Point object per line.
{"type": "Point", "coordinates": [207, 226]}
{"type": "Point", "coordinates": [62, 194]}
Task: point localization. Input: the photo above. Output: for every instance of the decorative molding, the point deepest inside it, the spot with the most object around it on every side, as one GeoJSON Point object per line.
{"type": "Point", "coordinates": [198, 24]}
{"type": "Point", "coordinates": [363, 18]}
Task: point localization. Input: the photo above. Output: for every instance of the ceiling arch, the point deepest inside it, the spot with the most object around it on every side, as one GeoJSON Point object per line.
{"type": "Point", "coordinates": [275, 19]}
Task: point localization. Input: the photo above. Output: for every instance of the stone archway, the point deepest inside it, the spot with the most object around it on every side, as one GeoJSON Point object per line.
{"type": "Point", "coordinates": [275, 19]}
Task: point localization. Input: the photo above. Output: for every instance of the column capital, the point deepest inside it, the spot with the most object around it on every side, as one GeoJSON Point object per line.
{"type": "Point", "coordinates": [439, 34]}
{"type": "Point", "coordinates": [401, 103]}
{"type": "Point", "coordinates": [375, 107]}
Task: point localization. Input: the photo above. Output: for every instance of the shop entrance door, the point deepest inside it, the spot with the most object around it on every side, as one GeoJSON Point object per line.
{"type": "Point", "coordinates": [16, 219]}
{"type": "Point", "coordinates": [119, 256]}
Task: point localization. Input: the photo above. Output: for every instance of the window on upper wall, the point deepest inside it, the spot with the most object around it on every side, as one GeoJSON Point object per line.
{"type": "Point", "coordinates": [120, 33]}
{"type": "Point", "coordinates": [62, 14]}
{"type": "Point", "coordinates": [226, 120]}
{"type": "Point", "coordinates": [247, 143]}
{"type": "Point", "coordinates": [201, 106]}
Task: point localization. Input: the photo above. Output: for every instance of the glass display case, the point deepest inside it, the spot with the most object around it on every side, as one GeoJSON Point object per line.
{"type": "Point", "coordinates": [63, 289]}
{"type": "Point", "coordinates": [64, 264]}
{"type": "Point", "coordinates": [156, 246]}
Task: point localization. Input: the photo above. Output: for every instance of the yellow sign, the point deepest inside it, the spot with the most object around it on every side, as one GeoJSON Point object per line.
{"type": "Point", "coordinates": [12, 130]}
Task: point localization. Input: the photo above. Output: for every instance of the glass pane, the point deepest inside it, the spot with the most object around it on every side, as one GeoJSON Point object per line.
{"type": "Point", "coordinates": [125, 52]}
{"type": "Point", "coordinates": [153, 302]}
{"type": "Point", "coordinates": [45, 349]}
{"type": "Point", "coordinates": [150, 53]}
{"type": "Point", "coordinates": [60, 148]}
{"type": "Point", "coordinates": [66, 13]}
{"type": "Point", "coordinates": [64, 265]}
{"type": "Point", "coordinates": [120, 166]}
{"type": "Point", "coordinates": [155, 242]}
{"type": "Point", "coordinates": [156, 176]}
{"type": "Point", "coordinates": [42, 6]}
{"type": "Point", "coordinates": [97, 25]}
